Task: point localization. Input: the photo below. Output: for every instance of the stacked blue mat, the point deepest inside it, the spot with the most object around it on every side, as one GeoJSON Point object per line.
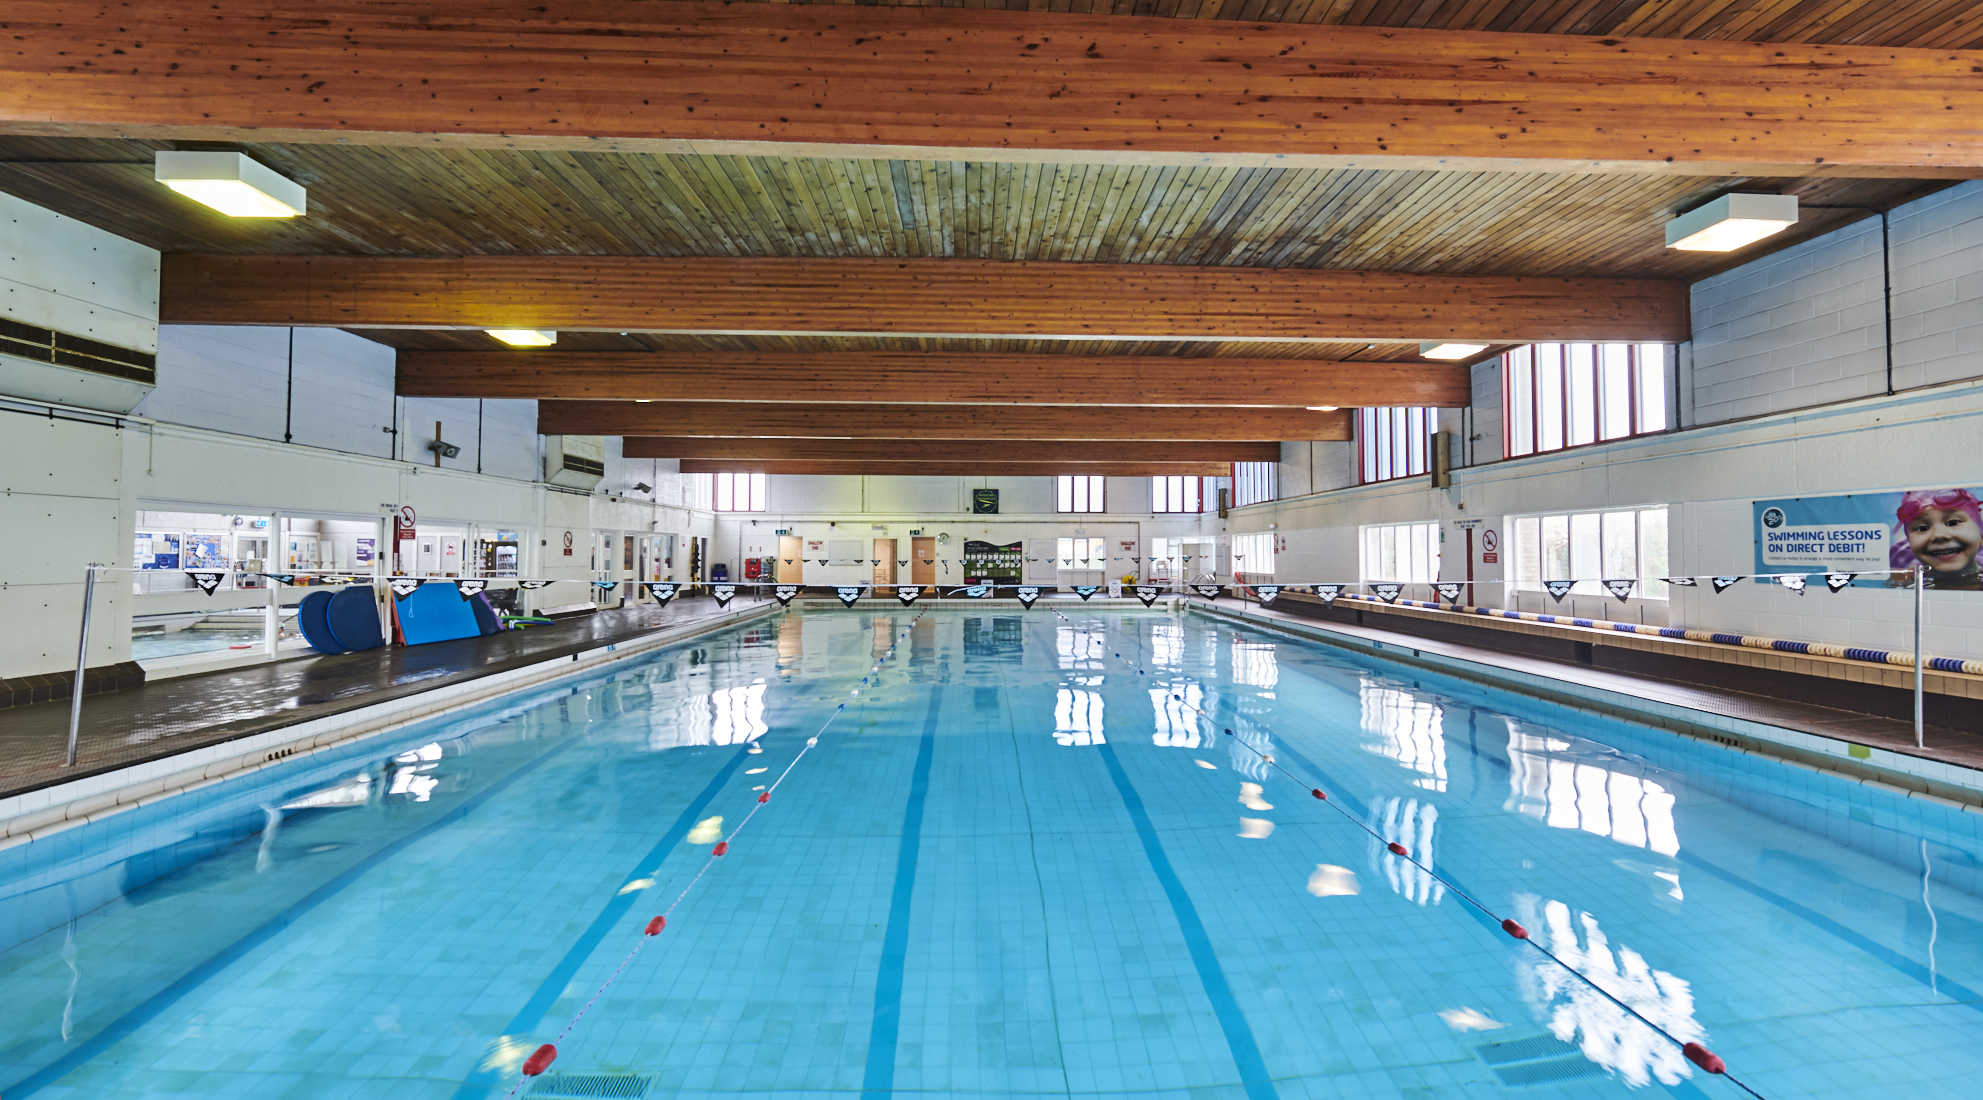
{"type": "Point", "coordinates": [349, 620]}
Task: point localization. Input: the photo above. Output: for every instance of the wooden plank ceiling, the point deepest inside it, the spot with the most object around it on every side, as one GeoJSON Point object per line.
{"type": "Point", "coordinates": [387, 197]}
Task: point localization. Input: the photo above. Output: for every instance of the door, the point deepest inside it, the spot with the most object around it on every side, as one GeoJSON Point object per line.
{"type": "Point", "coordinates": [922, 561]}
{"type": "Point", "coordinates": [1041, 568]}
{"type": "Point", "coordinates": [884, 564]}
{"type": "Point", "coordinates": [791, 565]}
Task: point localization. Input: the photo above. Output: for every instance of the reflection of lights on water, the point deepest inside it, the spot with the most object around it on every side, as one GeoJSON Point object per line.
{"type": "Point", "coordinates": [355, 791]}
{"type": "Point", "coordinates": [706, 831]}
{"type": "Point", "coordinates": [1566, 794]}
{"type": "Point", "coordinates": [1409, 730]}
{"type": "Point", "coordinates": [726, 716]}
{"type": "Point", "coordinates": [1077, 715]}
{"type": "Point", "coordinates": [425, 754]}
{"type": "Point", "coordinates": [1410, 823]}
{"type": "Point", "coordinates": [636, 885]}
{"type": "Point", "coordinates": [1249, 750]}
{"type": "Point", "coordinates": [755, 771]}
{"type": "Point", "coordinates": [505, 1054]}
{"type": "Point", "coordinates": [1466, 1019]}
{"type": "Point", "coordinates": [1206, 764]}
{"type": "Point", "coordinates": [1249, 797]}
{"type": "Point", "coordinates": [1253, 664]}
{"type": "Point", "coordinates": [412, 781]}
{"type": "Point", "coordinates": [1255, 828]}
{"type": "Point", "coordinates": [1331, 881]}
{"type": "Point", "coordinates": [1177, 719]}
{"type": "Point", "coordinates": [1611, 1037]}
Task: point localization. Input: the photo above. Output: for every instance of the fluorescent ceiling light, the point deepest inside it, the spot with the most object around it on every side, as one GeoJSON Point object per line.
{"type": "Point", "coordinates": [523, 337]}
{"type": "Point", "coordinates": [1322, 408]}
{"type": "Point", "coordinates": [1730, 222]}
{"type": "Point", "coordinates": [1449, 349]}
{"type": "Point", "coordinates": [230, 183]}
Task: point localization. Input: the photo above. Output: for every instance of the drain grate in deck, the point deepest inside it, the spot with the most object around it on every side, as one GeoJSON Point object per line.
{"type": "Point", "coordinates": [1537, 1060]}
{"type": "Point", "coordinates": [591, 1084]}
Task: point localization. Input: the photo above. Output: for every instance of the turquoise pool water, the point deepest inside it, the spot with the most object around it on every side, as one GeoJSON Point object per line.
{"type": "Point", "coordinates": [1016, 865]}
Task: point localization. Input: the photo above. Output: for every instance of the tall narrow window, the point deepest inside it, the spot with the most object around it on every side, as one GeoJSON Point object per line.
{"type": "Point", "coordinates": [1079, 493]}
{"type": "Point", "coordinates": [1394, 442]}
{"type": "Point", "coordinates": [1177, 494]}
{"type": "Point", "coordinates": [1253, 482]}
{"type": "Point", "coordinates": [1573, 395]}
{"type": "Point", "coordinates": [740, 493]}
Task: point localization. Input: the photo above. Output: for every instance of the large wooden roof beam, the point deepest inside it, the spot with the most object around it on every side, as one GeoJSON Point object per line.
{"type": "Point", "coordinates": [929, 377]}
{"type": "Point", "coordinates": [949, 450]}
{"type": "Point", "coordinates": [928, 297]}
{"type": "Point", "coordinates": [818, 421]}
{"type": "Point", "coordinates": [951, 84]}
{"type": "Point", "coordinates": [939, 467]}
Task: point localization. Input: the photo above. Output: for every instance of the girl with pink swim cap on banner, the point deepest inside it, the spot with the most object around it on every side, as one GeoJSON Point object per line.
{"type": "Point", "coordinates": [1943, 530]}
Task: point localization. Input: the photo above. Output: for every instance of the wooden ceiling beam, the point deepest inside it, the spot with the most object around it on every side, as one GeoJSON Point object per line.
{"type": "Point", "coordinates": [942, 468]}
{"type": "Point", "coordinates": [927, 297]}
{"type": "Point", "coordinates": [1046, 422]}
{"type": "Point", "coordinates": [953, 84]}
{"type": "Point", "coordinates": [949, 450]}
{"type": "Point", "coordinates": [930, 377]}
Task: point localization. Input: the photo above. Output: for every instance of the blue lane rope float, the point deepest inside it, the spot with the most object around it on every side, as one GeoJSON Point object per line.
{"type": "Point", "coordinates": [1694, 1052]}
{"type": "Point", "coordinates": [541, 1059]}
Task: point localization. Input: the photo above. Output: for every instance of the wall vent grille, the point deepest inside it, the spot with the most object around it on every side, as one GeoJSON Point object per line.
{"type": "Point", "coordinates": [76, 352]}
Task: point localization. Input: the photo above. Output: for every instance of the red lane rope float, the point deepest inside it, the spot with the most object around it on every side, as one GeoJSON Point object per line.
{"type": "Point", "coordinates": [542, 1058]}
{"type": "Point", "coordinates": [1701, 1056]}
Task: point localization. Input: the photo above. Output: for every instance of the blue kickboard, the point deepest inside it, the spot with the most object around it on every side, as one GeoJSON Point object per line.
{"type": "Point", "coordinates": [310, 617]}
{"type": "Point", "coordinates": [353, 616]}
{"type": "Point", "coordinates": [485, 615]}
{"type": "Point", "coordinates": [435, 612]}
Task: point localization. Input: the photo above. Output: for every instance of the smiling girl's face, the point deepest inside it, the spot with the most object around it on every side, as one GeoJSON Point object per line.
{"type": "Point", "coordinates": [1945, 540]}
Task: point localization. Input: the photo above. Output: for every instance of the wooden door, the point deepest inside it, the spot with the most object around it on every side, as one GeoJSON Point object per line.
{"type": "Point", "coordinates": [790, 568]}
{"type": "Point", "coordinates": [884, 565]}
{"type": "Point", "coordinates": [922, 564]}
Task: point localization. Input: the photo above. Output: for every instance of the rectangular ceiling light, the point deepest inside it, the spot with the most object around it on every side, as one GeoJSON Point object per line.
{"type": "Point", "coordinates": [1449, 349]}
{"type": "Point", "coordinates": [523, 337]}
{"type": "Point", "coordinates": [230, 183]}
{"type": "Point", "coordinates": [1730, 222]}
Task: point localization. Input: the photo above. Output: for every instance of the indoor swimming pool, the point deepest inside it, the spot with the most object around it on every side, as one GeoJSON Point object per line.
{"type": "Point", "coordinates": [1025, 860]}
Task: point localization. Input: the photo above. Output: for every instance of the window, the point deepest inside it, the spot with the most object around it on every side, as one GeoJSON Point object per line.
{"type": "Point", "coordinates": [1393, 443]}
{"type": "Point", "coordinates": [1403, 552]}
{"type": "Point", "coordinates": [1080, 493]}
{"type": "Point", "coordinates": [1081, 554]}
{"type": "Point", "coordinates": [1570, 395]}
{"type": "Point", "coordinates": [1588, 547]}
{"type": "Point", "coordinates": [740, 492]}
{"type": "Point", "coordinates": [1177, 494]}
{"type": "Point", "coordinates": [1253, 554]}
{"type": "Point", "coordinates": [1252, 482]}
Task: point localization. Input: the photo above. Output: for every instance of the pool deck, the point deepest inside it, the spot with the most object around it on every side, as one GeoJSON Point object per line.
{"type": "Point", "coordinates": [167, 717]}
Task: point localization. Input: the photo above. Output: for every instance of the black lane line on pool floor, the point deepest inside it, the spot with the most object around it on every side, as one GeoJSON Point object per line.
{"type": "Point", "coordinates": [885, 1031]}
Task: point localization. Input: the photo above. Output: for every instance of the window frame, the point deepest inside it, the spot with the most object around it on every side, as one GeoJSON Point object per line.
{"type": "Point", "coordinates": [1250, 478]}
{"type": "Point", "coordinates": [1187, 489]}
{"type": "Point", "coordinates": [723, 486]}
{"type": "Point", "coordinates": [1090, 490]}
{"type": "Point", "coordinates": [1531, 534]}
{"type": "Point", "coordinates": [1426, 535]}
{"type": "Point", "coordinates": [1558, 388]}
{"type": "Point", "coordinates": [1385, 438]}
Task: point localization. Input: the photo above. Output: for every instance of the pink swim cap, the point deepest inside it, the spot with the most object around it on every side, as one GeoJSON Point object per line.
{"type": "Point", "coordinates": [1899, 556]}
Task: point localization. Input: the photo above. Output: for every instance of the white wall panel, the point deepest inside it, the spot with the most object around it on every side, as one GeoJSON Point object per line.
{"type": "Point", "coordinates": [59, 273]}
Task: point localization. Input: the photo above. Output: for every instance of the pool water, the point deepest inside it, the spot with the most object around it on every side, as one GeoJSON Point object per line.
{"type": "Point", "coordinates": [1015, 865]}
{"type": "Point", "coordinates": [152, 645]}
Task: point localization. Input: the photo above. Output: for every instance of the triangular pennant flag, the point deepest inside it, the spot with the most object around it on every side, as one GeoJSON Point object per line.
{"type": "Point", "coordinates": [908, 593]}
{"type": "Point", "coordinates": [1836, 581]}
{"type": "Point", "coordinates": [981, 591]}
{"type": "Point", "coordinates": [279, 578]}
{"type": "Point", "coordinates": [605, 587]}
{"type": "Point", "coordinates": [1450, 591]}
{"type": "Point", "coordinates": [1558, 589]}
{"type": "Point", "coordinates": [1688, 582]}
{"type": "Point", "coordinates": [1620, 589]}
{"type": "Point", "coordinates": [1067, 561]}
{"type": "Point", "coordinates": [1138, 561]}
{"type": "Point", "coordinates": [469, 588]}
{"type": "Point", "coordinates": [1723, 584]}
{"type": "Point", "coordinates": [1026, 595]}
{"type": "Point", "coordinates": [337, 580]}
{"type": "Point", "coordinates": [1328, 592]}
{"type": "Point", "coordinates": [821, 561]}
{"type": "Point", "coordinates": [1267, 593]}
{"type": "Point", "coordinates": [206, 580]}
{"type": "Point", "coordinates": [1187, 558]}
{"type": "Point", "coordinates": [533, 584]}
{"type": "Point", "coordinates": [848, 593]}
{"type": "Point", "coordinates": [662, 591]}
{"type": "Point", "coordinates": [403, 587]}
{"type": "Point", "coordinates": [1209, 591]}
{"type": "Point", "coordinates": [1148, 593]}
{"type": "Point", "coordinates": [871, 561]}
{"type": "Point", "coordinates": [902, 562]}
{"type": "Point", "coordinates": [1792, 581]}
{"type": "Point", "coordinates": [1085, 590]}
{"type": "Point", "coordinates": [783, 594]}
{"type": "Point", "coordinates": [1387, 592]}
{"type": "Point", "coordinates": [723, 593]}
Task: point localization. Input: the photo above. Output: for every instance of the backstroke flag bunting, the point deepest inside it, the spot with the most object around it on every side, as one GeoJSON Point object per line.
{"type": "Point", "coordinates": [1836, 581]}
{"type": "Point", "coordinates": [1328, 592]}
{"type": "Point", "coordinates": [403, 587]}
{"type": "Point", "coordinates": [848, 593]}
{"type": "Point", "coordinates": [1558, 589]}
{"type": "Point", "coordinates": [1086, 590]}
{"type": "Point", "coordinates": [783, 594]}
{"type": "Point", "coordinates": [1620, 589]}
{"type": "Point", "coordinates": [662, 591]}
{"type": "Point", "coordinates": [979, 592]}
{"type": "Point", "coordinates": [1267, 593]}
{"type": "Point", "coordinates": [279, 578]}
{"type": "Point", "coordinates": [1792, 581]}
{"type": "Point", "coordinates": [1209, 591]}
{"type": "Point", "coordinates": [207, 581]}
{"type": "Point", "coordinates": [534, 585]}
{"type": "Point", "coordinates": [908, 593]}
{"type": "Point", "coordinates": [1449, 591]}
{"type": "Point", "coordinates": [605, 587]}
{"type": "Point", "coordinates": [1387, 592]}
{"type": "Point", "coordinates": [469, 588]}
{"type": "Point", "coordinates": [724, 593]}
{"type": "Point", "coordinates": [1148, 593]}
{"type": "Point", "coordinates": [1026, 594]}
{"type": "Point", "coordinates": [1686, 581]}
{"type": "Point", "coordinates": [1723, 584]}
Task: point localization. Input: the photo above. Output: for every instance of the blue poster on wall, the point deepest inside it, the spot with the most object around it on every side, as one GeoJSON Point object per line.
{"type": "Point", "coordinates": [1879, 536]}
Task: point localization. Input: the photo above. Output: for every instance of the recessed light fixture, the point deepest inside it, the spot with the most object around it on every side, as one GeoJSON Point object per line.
{"type": "Point", "coordinates": [230, 183]}
{"type": "Point", "coordinates": [1449, 349]}
{"type": "Point", "coordinates": [523, 337]}
{"type": "Point", "coordinates": [1323, 408]}
{"type": "Point", "coordinates": [1731, 221]}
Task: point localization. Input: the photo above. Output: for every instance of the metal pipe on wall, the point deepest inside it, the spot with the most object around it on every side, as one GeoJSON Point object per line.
{"type": "Point", "coordinates": [82, 664]}
{"type": "Point", "coordinates": [1920, 724]}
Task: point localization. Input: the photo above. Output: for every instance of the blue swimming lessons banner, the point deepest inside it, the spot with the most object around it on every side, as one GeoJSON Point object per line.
{"type": "Point", "coordinates": [1874, 533]}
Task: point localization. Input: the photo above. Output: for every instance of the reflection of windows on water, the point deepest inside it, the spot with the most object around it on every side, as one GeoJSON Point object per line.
{"type": "Point", "coordinates": [1003, 636]}
{"type": "Point", "coordinates": [1411, 823]}
{"type": "Point", "coordinates": [1253, 664]}
{"type": "Point", "coordinates": [1409, 729]}
{"type": "Point", "coordinates": [1083, 649]}
{"type": "Point", "coordinates": [1611, 1037]}
{"type": "Point", "coordinates": [1250, 746]}
{"type": "Point", "coordinates": [1077, 714]}
{"type": "Point", "coordinates": [1565, 794]}
{"type": "Point", "coordinates": [727, 716]}
{"type": "Point", "coordinates": [1177, 720]}
{"type": "Point", "coordinates": [1167, 646]}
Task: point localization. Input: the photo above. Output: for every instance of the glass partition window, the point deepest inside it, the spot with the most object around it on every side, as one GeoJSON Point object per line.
{"type": "Point", "coordinates": [1080, 492]}
{"type": "Point", "coordinates": [1253, 554]}
{"type": "Point", "coordinates": [1572, 395]}
{"type": "Point", "coordinates": [1393, 442]}
{"type": "Point", "coordinates": [1177, 494]}
{"type": "Point", "coordinates": [740, 492]}
{"type": "Point", "coordinates": [1402, 552]}
{"type": "Point", "coordinates": [1589, 547]}
{"type": "Point", "coordinates": [1253, 482]}
{"type": "Point", "coordinates": [1083, 553]}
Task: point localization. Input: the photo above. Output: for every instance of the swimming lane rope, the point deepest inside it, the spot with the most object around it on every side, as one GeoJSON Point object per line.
{"type": "Point", "coordinates": [1700, 1055]}
{"type": "Point", "coordinates": [541, 1059]}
